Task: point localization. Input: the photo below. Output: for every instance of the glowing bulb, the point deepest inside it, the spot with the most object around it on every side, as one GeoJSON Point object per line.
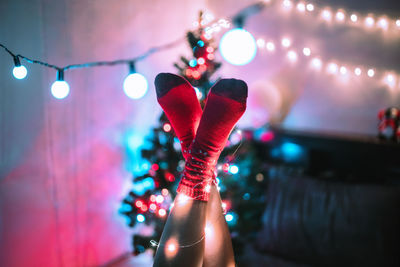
{"type": "Point", "coordinates": [228, 217]}
{"type": "Point", "coordinates": [140, 218]}
{"type": "Point", "coordinates": [135, 85]}
{"type": "Point", "coordinates": [301, 7]}
{"type": "Point", "coordinates": [371, 73]}
{"type": "Point", "coordinates": [167, 127]}
{"type": "Point", "coordinates": [383, 23]}
{"type": "Point", "coordinates": [369, 21]}
{"type": "Point", "coordinates": [292, 56]}
{"type": "Point", "coordinates": [390, 80]}
{"type": "Point", "coordinates": [270, 46]}
{"type": "Point", "coordinates": [357, 71]}
{"type": "Point", "coordinates": [306, 51]}
{"type": "Point", "coordinates": [332, 68]}
{"type": "Point", "coordinates": [233, 169]}
{"type": "Point", "coordinates": [60, 89]}
{"type": "Point", "coordinates": [310, 7]}
{"type": "Point", "coordinates": [164, 192]}
{"type": "Point", "coordinates": [183, 199]}
{"type": "Point", "coordinates": [238, 47]}
{"type": "Point", "coordinates": [286, 42]}
{"type": "Point", "coordinates": [316, 63]}
{"type": "Point", "coordinates": [162, 212]}
{"type": "Point", "coordinates": [201, 60]}
{"type": "Point", "coordinates": [398, 23]}
{"type": "Point", "coordinates": [326, 15]}
{"type": "Point", "coordinates": [353, 18]}
{"type": "Point", "coordinates": [260, 43]}
{"type": "Point", "coordinates": [153, 206]}
{"type": "Point", "coordinates": [343, 70]}
{"type": "Point", "coordinates": [19, 72]}
{"type": "Point", "coordinates": [340, 16]}
{"type": "Point", "coordinates": [287, 4]}
{"type": "Point", "coordinates": [171, 247]}
{"type": "Point", "coordinates": [159, 199]}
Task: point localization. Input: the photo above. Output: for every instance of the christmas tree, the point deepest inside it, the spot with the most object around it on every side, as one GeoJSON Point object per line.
{"type": "Point", "coordinates": [240, 172]}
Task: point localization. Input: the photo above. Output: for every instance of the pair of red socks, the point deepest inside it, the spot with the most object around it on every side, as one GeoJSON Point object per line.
{"type": "Point", "coordinates": [202, 133]}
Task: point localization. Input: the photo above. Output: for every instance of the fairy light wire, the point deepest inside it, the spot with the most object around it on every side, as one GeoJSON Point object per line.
{"type": "Point", "coordinates": [146, 54]}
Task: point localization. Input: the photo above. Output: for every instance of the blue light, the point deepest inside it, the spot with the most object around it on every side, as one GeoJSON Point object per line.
{"type": "Point", "coordinates": [60, 89]}
{"type": "Point", "coordinates": [200, 43]}
{"type": "Point", "coordinates": [140, 187]}
{"type": "Point", "coordinates": [228, 217]}
{"type": "Point", "coordinates": [20, 72]}
{"type": "Point", "coordinates": [231, 218]}
{"type": "Point", "coordinates": [140, 218]}
{"type": "Point", "coordinates": [193, 63]}
{"type": "Point", "coordinates": [238, 47]}
{"type": "Point", "coordinates": [135, 85]}
{"type": "Point", "coordinates": [233, 169]}
{"type": "Point", "coordinates": [291, 151]}
{"type": "Point", "coordinates": [246, 196]}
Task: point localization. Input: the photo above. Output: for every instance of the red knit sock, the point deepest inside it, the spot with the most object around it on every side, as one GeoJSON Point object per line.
{"type": "Point", "coordinates": [179, 101]}
{"type": "Point", "coordinates": [225, 105]}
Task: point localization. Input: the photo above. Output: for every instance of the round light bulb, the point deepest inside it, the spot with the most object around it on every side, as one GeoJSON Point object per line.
{"type": "Point", "coordinates": [60, 89]}
{"type": "Point", "coordinates": [20, 72]}
{"type": "Point", "coordinates": [316, 63]}
{"type": "Point", "coordinates": [310, 7]}
{"type": "Point", "coordinates": [353, 18]}
{"type": "Point", "coordinates": [135, 85]}
{"type": "Point", "coordinates": [270, 46]}
{"type": "Point", "coordinates": [238, 47]}
{"type": "Point", "coordinates": [371, 73]}
{"type": "Point", "coordinates": [286, 42]}
{"type": "Point", "coordinates": [357, 71]}
{"type": "Point", "coordinates": [306, 51]}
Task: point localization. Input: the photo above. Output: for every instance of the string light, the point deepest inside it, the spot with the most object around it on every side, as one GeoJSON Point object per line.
{"type": "Point", "coordinates": [60, 88]}
{"type": "Point", "coordinates": [301, 7]}
{"type": "Point", "coordinates": [343, 70]}
{"type": "Point", "coordinates": [353, 18]}
{"type": "Point", "coordinates": [270, 46]}
{"type": "Point", "coordinates": [135, 84]}
{"type": "Point", "coordinates": [286, 42]}
{"type": "Point", "coordinates": [292, 56]}
{"type": "Point", "coordinates": [369, 21]}
{"type": "Point", "coordinates": [357, 71]}
{"type": "Point", "coordinates": [316, 63]}
{"type": "Point", "coordinates": [306, 51]}
{"type": "Point", "coordinates": [340, 16]}
{"type": "Point", "coordinates": [19, 71]}
{"type": "Point", "coordinates": [371, 73]}
{"type": "Point", "coordinates": [310, 7]}
{"type": "Point", "coordinates": [326, 15]}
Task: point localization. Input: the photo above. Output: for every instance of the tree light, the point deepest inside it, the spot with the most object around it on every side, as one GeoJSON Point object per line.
{"type": "Point", "coordinates": [19, 71]}
{"type": "Point", "coordinates": [60, 88]}
{"type": "Point", "coordinates": [140, 218]}
{"type": "Point", "coordinates": [310, 7]}
{"type": "Point", "coordinates": [301, 7]}
{"type": "Point", "coordinates": [135, 84]}
{"type": "Point", "coordinates": [357, 71]}
{"type": "Point", "coordinates": [238, 47]}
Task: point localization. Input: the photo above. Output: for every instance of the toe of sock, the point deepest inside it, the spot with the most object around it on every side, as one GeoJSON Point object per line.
{"type": "Point", "coordinates": [232, 88]}
{"type": "Point", "coordinates": [164, 82]}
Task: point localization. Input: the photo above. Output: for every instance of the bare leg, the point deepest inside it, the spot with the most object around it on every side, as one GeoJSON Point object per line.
{"type": "Point", "coordinates": [218, 244]}
{"type": "Point", "coordinates": [181, 243]}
